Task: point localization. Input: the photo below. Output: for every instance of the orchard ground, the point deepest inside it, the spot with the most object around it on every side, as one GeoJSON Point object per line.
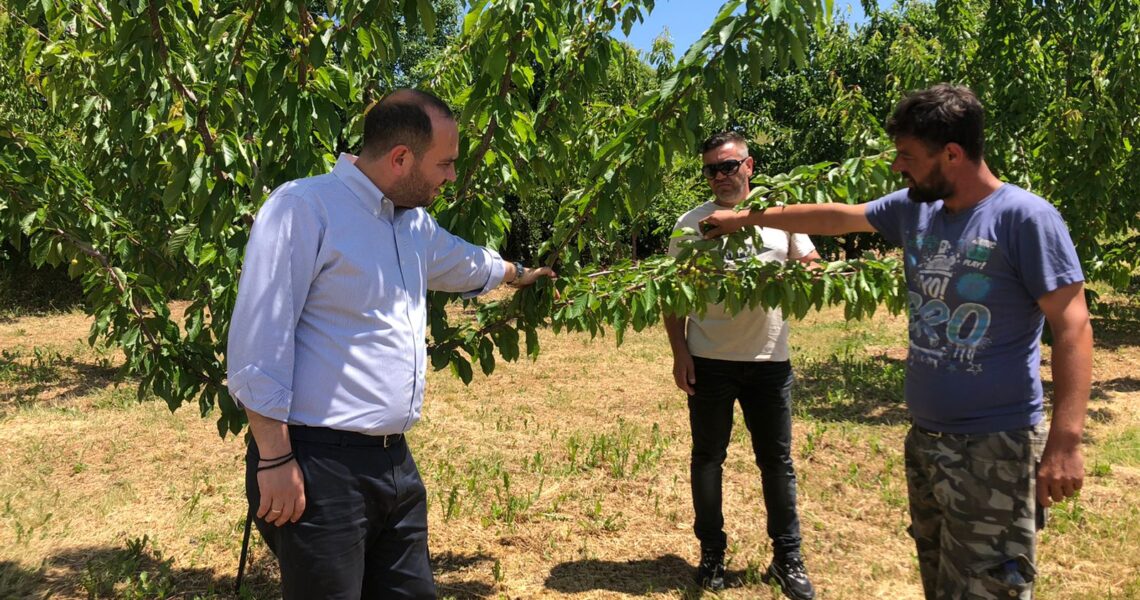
{"type": "Point", "coordinates": [565, 477]}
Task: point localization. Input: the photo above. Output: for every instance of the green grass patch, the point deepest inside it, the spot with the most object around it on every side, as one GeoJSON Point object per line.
{"type": "Point", "coordinates": [1121, 448]}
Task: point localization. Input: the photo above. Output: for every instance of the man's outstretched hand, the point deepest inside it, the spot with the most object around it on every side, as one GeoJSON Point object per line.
{"type": "Point", "coordinates": [723, 222]}
{"type": "Point", "coordinates": [530, 276]}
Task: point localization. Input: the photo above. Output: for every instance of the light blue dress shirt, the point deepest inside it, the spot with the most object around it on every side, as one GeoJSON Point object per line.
{"type": "Point", "coordinates": [329, 328]}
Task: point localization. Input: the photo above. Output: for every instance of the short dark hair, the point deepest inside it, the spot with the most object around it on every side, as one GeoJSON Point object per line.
{"type": "Point", "coordinates": [940, 115]}
{"type": "Point", "coordinates": [401, 118]}
{"type": "Point", "coordinates": [717, 140]}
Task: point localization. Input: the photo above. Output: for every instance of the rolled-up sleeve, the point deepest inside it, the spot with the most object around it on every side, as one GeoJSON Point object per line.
{"type": "Point", "coordinates": [456, 265]}
{"type": "Point", "coordinates": [280, 264]}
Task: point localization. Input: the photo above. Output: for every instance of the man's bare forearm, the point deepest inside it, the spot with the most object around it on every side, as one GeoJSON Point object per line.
{"type": "Point", "coordinates": [1072, 381]}
{"type": "Point", "coordinates": [675, 329]}
{"type": "Point", "coordinates": [814, 219]}
{"type": "Point", "coordinates": [272, 436]}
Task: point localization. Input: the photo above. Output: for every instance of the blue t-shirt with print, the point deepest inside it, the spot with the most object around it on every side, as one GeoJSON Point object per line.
{"type": "Point", "coordinates": [974, 279]}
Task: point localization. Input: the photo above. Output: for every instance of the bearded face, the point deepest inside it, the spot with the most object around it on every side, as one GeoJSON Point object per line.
{"type": "Point", "coordinates": [430, 169]}
{"type": "Point", "coordinates": [921, 167]}
{"type": "Point", "coordinates": [932, 187]}
{"type": "Point", "coordinates": [413, 190]}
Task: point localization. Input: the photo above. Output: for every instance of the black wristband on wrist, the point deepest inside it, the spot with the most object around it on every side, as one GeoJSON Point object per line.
{"type": "Point", "coordinates": [284, 460]}
{"type": "Point", "coordinates": [290, 453]}
{"type": "Point", "coordinates": [519, 270]}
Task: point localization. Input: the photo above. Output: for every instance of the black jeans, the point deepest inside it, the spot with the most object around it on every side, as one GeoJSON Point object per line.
{"type": "Point", "coordinates": [765, 393]}
{"type": "Point", "coordinates": [364, 530]}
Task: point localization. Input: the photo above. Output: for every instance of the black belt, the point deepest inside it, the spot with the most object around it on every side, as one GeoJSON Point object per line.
{"type": "Point", "coordinates": [338, 437]}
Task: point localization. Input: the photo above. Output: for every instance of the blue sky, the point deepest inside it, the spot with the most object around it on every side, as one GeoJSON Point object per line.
{"type": "Point", "coordinates": [688, 19]}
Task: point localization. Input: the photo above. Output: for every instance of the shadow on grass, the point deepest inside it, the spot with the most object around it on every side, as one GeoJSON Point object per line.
{"type": "Point", "coordinates": [450, 562]}
{"type": "Point", "coordinates": [1102, 389]}
{"type": "Point", "coordinates": [134, 571]}
{"type": "Point", "coordinates": [669, 572]}
{"type": "Point", "coordinates": [1103, 406]}
{"type": "Point", "coordinates": [634, 577]}
{"type": "Point", "coordinates": [138, 571]}
{"type": "Point", "coordinates": [852, 388]}
{"type": "Point", "coordinates": [50, 375]}
{"type": "Point", "coordinates": [1116, 326]}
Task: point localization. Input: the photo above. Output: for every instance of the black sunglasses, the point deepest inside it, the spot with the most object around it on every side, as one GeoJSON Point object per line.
{"type": "Point", "coordinates": [728, 167]}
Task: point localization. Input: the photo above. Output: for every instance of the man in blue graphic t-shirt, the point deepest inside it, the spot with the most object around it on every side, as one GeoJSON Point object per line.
{"type": "Point", "coordinates": [986, 264]}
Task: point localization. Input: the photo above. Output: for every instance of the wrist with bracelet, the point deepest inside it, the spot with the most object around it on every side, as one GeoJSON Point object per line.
{"type": "Point", "coordinates": [273, 463]}
{"type": "Point", "coordinates": [519, 271]}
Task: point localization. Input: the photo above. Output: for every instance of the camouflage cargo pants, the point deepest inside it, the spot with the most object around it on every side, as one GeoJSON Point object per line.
{"type": "Point", "coordinates": [974, 512]}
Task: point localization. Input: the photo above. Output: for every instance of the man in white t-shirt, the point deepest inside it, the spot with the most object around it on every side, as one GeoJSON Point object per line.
{"type": "Point", "coordinates": [721, 358]}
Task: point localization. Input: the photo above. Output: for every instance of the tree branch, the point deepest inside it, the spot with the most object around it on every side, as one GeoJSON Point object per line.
{"type": "Point", "coordinates": [164, 53]}
{"type": "Point", "coordinates": [489, 133]}
{"type": "Point", "coordinates": [659, 115]}
{"type": "Point", "coordinates": [121, 285]}
{"type": "Point", "coordinates": [240, 43]}
{"type": "Point", "coordinates": [201, 126]}
{"type": "Point", "coordinates": [306, 22]}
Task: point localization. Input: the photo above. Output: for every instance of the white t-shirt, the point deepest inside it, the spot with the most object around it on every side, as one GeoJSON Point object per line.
{"type": "Point", "coordinates": [750, 335]}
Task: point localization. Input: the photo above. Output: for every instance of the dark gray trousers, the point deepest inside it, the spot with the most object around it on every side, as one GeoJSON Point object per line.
{"type": "Point", "coordinates": [364, 530]}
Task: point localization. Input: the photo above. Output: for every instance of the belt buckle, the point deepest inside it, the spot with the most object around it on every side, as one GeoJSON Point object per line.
{"type": "Point", "coordinates": [391, 439]}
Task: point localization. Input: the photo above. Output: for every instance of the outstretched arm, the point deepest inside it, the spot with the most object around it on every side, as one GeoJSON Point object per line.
{"type": "Point", "coordinates": [817, 219]}
{"type": "Point", "coordinates": [1062, 466]}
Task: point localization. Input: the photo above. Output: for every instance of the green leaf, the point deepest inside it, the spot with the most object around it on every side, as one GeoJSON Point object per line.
{"type": "Point", "coordinates": [364, 37]}
{"type": "Point", "coordinates": [427, 16]}
{"type": "Point", "coordinates": [496, 61]}
{"type": "Point", "coordinates": [726, 32]}
{"type": "Point", "coordinates": [173, 193]}
{"type": "Point", "coordinates": [228, 151]}
{"type": "Point", "coordinates": [221, 27]}
{"type": "Point", "coordinates": [440, 358]}
{"type": "Point", "coordinates": [755, 64]}
{"type": "Point", "coordinates": [797, 48]}
{"type": "Point", "coordinates": [486, 355]}
{"type": "Point", "coordinates": [532, 346]}
{"type": "Point", "coordinates": [177, 240]}
{"type": "Point", "coordinates": [461, 368]}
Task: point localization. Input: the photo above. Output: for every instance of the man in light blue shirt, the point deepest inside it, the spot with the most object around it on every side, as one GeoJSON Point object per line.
{"type": "Point", "coordinates": [327, 354]}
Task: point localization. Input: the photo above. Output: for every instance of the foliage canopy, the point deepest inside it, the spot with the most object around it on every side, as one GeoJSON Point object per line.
{"type": "Point", "coordinates": [164, 124]}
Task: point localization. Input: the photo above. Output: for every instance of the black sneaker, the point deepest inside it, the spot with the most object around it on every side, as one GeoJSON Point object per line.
{"type": "Point", "coordinates": [710, 572]}
{"type": "Point", "coordinates": [791, 575]}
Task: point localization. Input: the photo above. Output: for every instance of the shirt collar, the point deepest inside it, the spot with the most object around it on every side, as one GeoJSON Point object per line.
{"type": "Point", "coordinates": [362, 187]}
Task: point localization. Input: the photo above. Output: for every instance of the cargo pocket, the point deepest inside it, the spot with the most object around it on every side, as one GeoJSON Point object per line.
{"type": "Point", "coordinates": [1008, 578]}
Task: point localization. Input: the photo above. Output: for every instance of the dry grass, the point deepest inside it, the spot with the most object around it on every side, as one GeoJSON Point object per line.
{"type": "Point", "coordinates": [565, 477]}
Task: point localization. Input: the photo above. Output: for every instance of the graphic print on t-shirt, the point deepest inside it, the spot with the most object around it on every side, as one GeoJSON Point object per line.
{"type": "Point", "coordinates": [948, 315]}
{"type": "Point", "coordinates": [746, 252]}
